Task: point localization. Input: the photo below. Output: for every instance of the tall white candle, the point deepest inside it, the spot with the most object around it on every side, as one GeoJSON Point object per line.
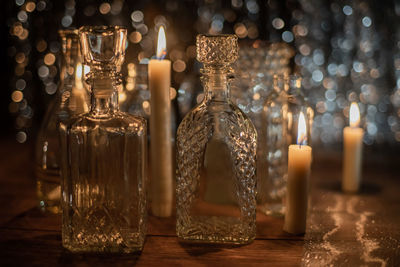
{"type": "Point", "coordinates": [160, 131]}
{"type": "Point", "coordinates": [352, 151]}
{"type": "Point", "coordinates": [299, 163]}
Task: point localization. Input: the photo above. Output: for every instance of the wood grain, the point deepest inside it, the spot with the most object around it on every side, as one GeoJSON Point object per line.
{"type": "Point", "coordinates": [30, 238]}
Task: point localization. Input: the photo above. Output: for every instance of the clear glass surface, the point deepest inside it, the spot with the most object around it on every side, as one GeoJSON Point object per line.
{"type": "Point", "coordinates": [104, 155]}
{"type": "Point", "coordinates": [104, 202]}
{"type": "Point", "coordinates": [255, 68]}
{"type": "Point", "coordinates": [272, 187]}
{"type": "Point", "coordinates": [216, 157]}
{"type": "Point", "coordinates": [71, 99]}
{"type": "Point", "coordinates": [137, 100]}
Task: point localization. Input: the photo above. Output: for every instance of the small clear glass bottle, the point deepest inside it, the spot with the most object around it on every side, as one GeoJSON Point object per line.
{"type": "Point", "coordinates": [297, 103]}
{"type": "Point", "coordinates": [137, 100]}
{"type": "Point", "coordinates": [272, 187]}
{"type": "Point", "coordinates": [104, 158]}
{"type": "Point", "coordinates": [216, 156]}
{"type": "Point", "coordinates": [71, 99]}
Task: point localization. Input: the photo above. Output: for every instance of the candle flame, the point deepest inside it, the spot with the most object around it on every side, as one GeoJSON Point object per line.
{"type": "Point", "coordinates": [301, 130]}
{"type": "Point", "coordinates": [78, 72]}
{"type": "Point", "coordinates": [161, 44]}
{"type": "Point", "coordinates": [354, 116]}
{"type": "Point", "coordinates": [78, 76]}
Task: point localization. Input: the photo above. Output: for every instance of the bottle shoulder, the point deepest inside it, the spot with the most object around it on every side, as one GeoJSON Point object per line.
{"type": "Point", "coordinates": [211, 115]}
{"type": "Point", "coordinates": [115, 120]}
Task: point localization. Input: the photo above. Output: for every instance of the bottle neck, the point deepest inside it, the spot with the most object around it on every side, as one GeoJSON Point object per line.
{"type": "Point", "coordinates": [216, 84]}
{"type": "Point", "coordinates": [104, 97]}
{"type": "Point", "coordinates": [71, 73]}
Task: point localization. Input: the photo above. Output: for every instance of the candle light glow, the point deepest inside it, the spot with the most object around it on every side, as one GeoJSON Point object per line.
{"type": "Point", "coordinates": [354, 115]}
{"type": "Point", "coordinates": [301, 130]}
{"type": "Point", "coordinates": [161, 44]}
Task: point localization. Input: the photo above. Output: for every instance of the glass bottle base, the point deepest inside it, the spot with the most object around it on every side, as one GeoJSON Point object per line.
{"type": "Point", "coordinates": [113, 242]}
{"type": "Point", "coordinates": [215, 229]}
{"type": "Point", "coordinates": [103, 249]}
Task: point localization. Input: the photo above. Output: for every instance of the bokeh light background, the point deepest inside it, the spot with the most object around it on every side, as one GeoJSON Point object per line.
{"type": "Point", "coordinates": [344, 50]}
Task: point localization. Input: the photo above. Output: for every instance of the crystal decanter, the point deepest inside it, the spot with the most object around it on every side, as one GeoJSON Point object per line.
{"type": "Point", "coordinates": [71, 99]}
{"type": "Point", "coordinates": [104, 158]}
{"type": "Point", "coordinates": [216, 156]}
{"type": "Point", "coordinates": [272, 188]}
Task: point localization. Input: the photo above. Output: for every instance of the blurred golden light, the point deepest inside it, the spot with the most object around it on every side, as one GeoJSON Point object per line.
{"type": "Point", "coordinates": [135, 37]}
{"type": "Point", "coordinates": [300, 30]}
{"type": "Point", "coordinates": [30, 6]}
{"type": "Point", "coordinates": [374, 73]}
{"type": "Point", "coordinates": [256, 96]}
{"type": "Point", "coordinates": [179, 65]}
{"type": "Point", "coordinates": [304, 50]}
{"type": "Point", "coordinates": [146, 104]}
{"type": "Point", "coordinates": [122, 97]}
{"type": "Point", "coordinates": [301, 130]}
{"type": "Point", "coordinates": [17, 96]}
{"type": "Point", "coordinates": [240, 30]}
{"type": "Point", "coordinates": [328, 83]}
{"type": "Point", "coordinates": [17, 29]}
{"type": "Point", "coordinates": [24, 34]}
{"type": "Point", "coordinates": [41, 45]}
{"type": "Point", "coordinates": [20, 57]}
{"type": "Point", "coordinates": [132, 73]}
{"type": "Point", "coordinates": [321, 107]}
{"type": "Point", "coordinates": [130, 86]}
{"type": "Point", "coordinates": [49, 59]}
{"type": "Point", "coordinates": [104, 8]}
{"type": "Point", "coordinates": [354, 115]}
{"type": "Point", "coordinates": [146, 107]}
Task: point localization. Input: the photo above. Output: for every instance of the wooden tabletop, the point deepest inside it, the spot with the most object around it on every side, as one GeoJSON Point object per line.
{"type": "Point", "coordinates": [342, 229]}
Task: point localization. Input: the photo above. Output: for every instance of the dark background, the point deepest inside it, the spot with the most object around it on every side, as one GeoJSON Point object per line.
{"type": "Point", "coordinates": [354, 45]}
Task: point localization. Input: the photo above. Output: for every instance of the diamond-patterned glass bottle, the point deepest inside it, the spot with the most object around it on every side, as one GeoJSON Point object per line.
{"type": "Point", "coordinates": [272, 188]}
{"type": "Point", "coordinates": [104, 158]}
{"type": "Point", "coordinates": [216, 156]}
{"type": "Point", "coordinates": [71, 99]}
